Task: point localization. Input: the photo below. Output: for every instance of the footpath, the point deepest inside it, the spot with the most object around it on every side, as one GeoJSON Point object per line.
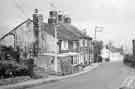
{"type": "Point", "coordinates": [129, 82]}
{"type": "Point", "coordinates": [35, 82]}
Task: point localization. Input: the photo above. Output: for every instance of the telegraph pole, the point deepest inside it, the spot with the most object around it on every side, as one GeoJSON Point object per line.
{"type": "Point", "coordinates": [95, 36]}
{"type": "Point", "coordinates": [95, 30]}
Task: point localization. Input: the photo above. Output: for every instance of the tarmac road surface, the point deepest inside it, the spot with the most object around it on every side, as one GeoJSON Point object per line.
{"type": "Point", "coordinates": [106, 76]}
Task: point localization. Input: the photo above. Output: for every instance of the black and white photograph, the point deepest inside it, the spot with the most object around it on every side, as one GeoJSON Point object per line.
{"type": "Point", "coordinates": [67, 44]}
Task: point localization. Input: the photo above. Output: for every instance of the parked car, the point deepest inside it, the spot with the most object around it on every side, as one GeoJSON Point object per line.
{"type": "Point", "coordinates": [107, 59]}
{"type": "Point", "coordinates": [99, 59]}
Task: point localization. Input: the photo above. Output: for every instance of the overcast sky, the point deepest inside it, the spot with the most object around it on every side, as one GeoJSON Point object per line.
{"type": "Point", "coordinates": [117, 16]}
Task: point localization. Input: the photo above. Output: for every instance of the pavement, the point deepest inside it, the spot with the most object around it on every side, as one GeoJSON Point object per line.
{"type": "Point", "coordinates": [129, 81]}
{"type": "Point", "coordinates": [30, 83]}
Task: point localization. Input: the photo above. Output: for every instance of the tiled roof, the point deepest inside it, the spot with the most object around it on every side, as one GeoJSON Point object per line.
{"type": "Point", "coordinates": [75, 31]}
{"type": "Point", "coordinates": [13, 30]}
{"type": "Point", "coordinates": [64, 31]}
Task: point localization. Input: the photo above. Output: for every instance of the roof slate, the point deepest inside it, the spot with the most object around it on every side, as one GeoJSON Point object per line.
{"type": "Point", "coordinates": [64, 31]}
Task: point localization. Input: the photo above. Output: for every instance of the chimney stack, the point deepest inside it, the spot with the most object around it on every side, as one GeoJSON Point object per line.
{"type": "Point", "coordinates": [36, 32]}
{"type": "Point", "coordinates": [58, 17]}
{"type": "Point", "coordinates": [67, 19]}
{"type": "Point", "coordinates": [53, 13]}
{"type": "Point", "coordinates": [52, 17]}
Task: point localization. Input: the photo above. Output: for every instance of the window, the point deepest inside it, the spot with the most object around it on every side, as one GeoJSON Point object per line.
{"type": "Point", "coordinates": [81, 43]}
{"type": "Point", "coordinates": [52, 60]}
{"type": "Point", "coordinates": [64, 45]}
{"type": "Point", "coordinates": [70, 44]}
{"type": "Point", "coordinates": [74, 45]}
{"type": "Point", "coordinates": [71, 59]}
{"type": "Point", "coordinates": [85, 43]}
{"type": "Point", "coordinates": [75, 59]}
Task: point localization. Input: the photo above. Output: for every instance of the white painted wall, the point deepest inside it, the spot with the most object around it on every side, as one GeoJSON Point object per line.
{"type": "Point", "coordinates": [116, 57]}
{"type": "Point", "coordinates": [8, 41]}
{"type": "Point", "coordinates": [50, 43]}
{"type": "Point", "coordinates": [105, 53]}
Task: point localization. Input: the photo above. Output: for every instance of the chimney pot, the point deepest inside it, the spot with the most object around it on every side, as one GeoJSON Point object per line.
{"type": "Point", "coordinates": [36, 10]}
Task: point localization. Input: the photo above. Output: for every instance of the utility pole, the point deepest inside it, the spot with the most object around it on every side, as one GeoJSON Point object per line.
{"type": "Point", "coordinates": [95, 36]}
{"type": "Point", "coordinates": [95, 30]}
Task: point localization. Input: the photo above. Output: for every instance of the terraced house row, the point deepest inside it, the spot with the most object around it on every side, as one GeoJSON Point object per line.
{"type": "Point", "coordinates": [56, 45]}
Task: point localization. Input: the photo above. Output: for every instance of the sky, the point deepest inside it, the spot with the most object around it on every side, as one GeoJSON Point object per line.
{"type": "Point", "coordinates": [116, 16]}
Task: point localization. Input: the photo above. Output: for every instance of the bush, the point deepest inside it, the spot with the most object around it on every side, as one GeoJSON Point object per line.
{"type": "Point", "coordinates": [12, 68]}
{"type": "Point", "coordinates": [129, 60]}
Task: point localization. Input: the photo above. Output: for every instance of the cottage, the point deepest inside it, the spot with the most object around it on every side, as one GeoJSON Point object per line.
{"type": "Point", "coordinates": [58, 43]}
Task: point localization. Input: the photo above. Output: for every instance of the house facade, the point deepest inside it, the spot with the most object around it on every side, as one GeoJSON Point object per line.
{"type": "Point", "coordinates": [71, 47]}
{"type": "Point", "coordinates": [71, 41]}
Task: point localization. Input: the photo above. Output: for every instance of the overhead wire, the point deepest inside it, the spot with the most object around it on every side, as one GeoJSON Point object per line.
{"type": "Point", "coordinates": [19, 7]}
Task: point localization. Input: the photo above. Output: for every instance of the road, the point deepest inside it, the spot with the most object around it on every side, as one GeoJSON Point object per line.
{"type": "Point", "coordinates": [106, 76]}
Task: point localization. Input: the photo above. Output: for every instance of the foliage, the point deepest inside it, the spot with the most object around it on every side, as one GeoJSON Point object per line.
{"type": "Point", "coordinates": [129, 60]}
{"type": "Point", "coordinates": [10, 64]}
{"type": "Point", "coordinates": [98, 45]}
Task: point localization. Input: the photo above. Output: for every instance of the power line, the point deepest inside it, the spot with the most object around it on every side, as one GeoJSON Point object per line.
{"type": "Point", "coordinates": [52, 5]}
{"type": "Point", "coordinates": [18, 6]}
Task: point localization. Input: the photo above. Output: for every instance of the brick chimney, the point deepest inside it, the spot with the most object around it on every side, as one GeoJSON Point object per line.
{"type": "Point", "coordinates": [52, 17]}
{"type": "Point", "coordinates": [67, 19]}
{"type": "Point", "coordinates": [60, 17]}
{"type": "Point", "coordinates": [36, 27]}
